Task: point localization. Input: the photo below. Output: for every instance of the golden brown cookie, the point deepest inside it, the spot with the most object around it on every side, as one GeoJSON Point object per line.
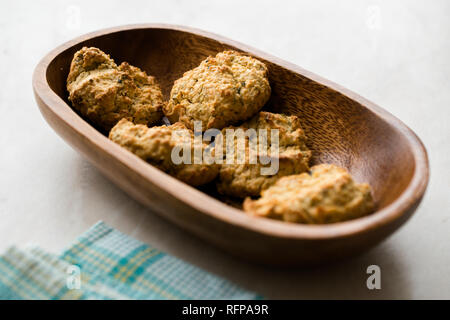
{"type": "Point", "coordinates": [327, 194]}
{"type": "Point", "coordinates": [155, 146]}
{"type": "Point", "coordinates": [104, 93]}
{"type": "Point", "coordinates": [246, 179]}
{"type": "Point", "coordinates": [221, 91]}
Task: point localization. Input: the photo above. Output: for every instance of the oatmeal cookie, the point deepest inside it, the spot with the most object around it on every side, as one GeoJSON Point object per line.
{"type": "Point", "coordinates": [221, 91]}
{"type": "Point", "coordinates": [104, 93]}
{"type": "Point", "coordinates": [155, 146]}
{"type": "Point", "coordinates": [241, 180]}
{"type": "Point", "coordinates": [328, 194]}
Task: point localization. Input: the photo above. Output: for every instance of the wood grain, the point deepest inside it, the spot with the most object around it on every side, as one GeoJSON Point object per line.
{"type": "Point", "coordinates": [342, 128]}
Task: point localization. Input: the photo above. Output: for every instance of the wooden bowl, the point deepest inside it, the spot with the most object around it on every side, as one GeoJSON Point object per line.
{"type": "Point", "coordinates": [342, 128]}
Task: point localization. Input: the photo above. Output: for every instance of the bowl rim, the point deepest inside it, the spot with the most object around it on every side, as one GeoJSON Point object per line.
{"type": "Point", "coordinates": [211, 206]}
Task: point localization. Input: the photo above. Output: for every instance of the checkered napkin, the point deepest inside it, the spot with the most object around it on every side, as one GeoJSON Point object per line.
{"type": "Point", "coordinates": [106, 264]}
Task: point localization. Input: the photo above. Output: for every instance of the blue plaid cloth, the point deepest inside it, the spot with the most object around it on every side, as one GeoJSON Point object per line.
{"type": "Point", "coordinates": [104, 263]}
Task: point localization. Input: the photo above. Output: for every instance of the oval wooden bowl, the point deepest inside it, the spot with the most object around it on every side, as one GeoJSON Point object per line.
{"type": "Point", "coordinates": [342, 128]}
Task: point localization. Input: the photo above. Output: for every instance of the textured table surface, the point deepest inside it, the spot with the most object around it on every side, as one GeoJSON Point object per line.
{"type": "Point", "coordinates": [395, 53]}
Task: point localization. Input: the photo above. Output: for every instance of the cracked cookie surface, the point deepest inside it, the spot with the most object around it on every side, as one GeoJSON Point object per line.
{"type": "Point", "coordinates": [221, 91]}
{"type": "Point", "coordinates": [328, 194]}
{"type": "Point", "coordinates": [155, 146]}
{"type": "Point", "coordinates": [246, 179]}
{"type": "Point", "coordinates": [104, 93]}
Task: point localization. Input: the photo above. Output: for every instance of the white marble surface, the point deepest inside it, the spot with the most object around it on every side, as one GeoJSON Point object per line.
{"type": "Point", "coordinates": [395, 53]}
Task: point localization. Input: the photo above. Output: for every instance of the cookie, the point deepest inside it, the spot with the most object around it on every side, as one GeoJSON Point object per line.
{"type": "Point", "coordinates": [156, 145]}
{"type": "Point", "coordinates": [103, 93]}
{"type": "Point", "coordinates": [221, 91]}
{"type": "Point", "coordinates": [246, 179]}
{"type": "Point", "coordinates": [325, 195]}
